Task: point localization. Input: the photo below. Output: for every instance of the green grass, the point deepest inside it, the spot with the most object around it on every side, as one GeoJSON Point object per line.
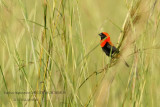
{"type": "Point", "coordinates": [50, 51]}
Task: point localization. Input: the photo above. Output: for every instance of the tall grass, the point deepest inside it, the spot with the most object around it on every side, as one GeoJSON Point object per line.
{"type": "Point", "coordinates": [51, 54]}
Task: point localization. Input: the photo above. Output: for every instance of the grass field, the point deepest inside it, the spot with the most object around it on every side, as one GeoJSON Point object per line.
{"type": "Point", "coordinates": [50, 53]}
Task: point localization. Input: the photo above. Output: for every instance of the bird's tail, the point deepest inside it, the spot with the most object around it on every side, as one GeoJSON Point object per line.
{"type": "Point", "coordinates": [119, 56]}
{"type": "Point", "coordinates": [125, 62]}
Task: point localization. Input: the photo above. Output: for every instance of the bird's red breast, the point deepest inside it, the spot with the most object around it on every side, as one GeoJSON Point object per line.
{"type": "Point", "coordinates": [103, 42]}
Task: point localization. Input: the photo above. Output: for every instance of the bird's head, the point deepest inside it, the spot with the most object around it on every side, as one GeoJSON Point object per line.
{"type": "Point", "coordinates": [103, 35]}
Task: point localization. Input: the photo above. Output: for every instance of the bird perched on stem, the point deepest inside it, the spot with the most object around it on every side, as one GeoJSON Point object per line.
{"type": "Point", "coordinates": [108, 47]}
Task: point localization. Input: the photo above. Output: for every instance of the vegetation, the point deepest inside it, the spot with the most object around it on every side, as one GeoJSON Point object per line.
{"type": "Point", "coordinates": [50, 53]}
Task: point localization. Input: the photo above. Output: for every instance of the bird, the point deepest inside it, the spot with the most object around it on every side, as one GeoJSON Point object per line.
{"type": "Point", "coordinates": [107, 45]}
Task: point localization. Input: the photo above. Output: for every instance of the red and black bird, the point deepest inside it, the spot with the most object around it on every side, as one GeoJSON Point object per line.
{"type": "Point", "coordinates": [107, 45]}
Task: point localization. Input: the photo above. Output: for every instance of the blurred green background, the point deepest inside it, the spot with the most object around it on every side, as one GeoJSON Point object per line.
{"type": "Point", "coordinates": [53, 46]}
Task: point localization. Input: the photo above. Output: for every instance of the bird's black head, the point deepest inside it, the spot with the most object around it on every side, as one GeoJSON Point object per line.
{"type": "Point", "coordinates": [102, 35]}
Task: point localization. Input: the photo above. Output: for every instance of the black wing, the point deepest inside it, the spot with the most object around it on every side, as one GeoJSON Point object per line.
{"type": "Point", "coordinates": [113, 48]}
{"type": "Point", "coordinates": [108, 48]}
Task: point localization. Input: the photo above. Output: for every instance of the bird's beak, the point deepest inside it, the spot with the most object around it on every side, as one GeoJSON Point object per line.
{"type": "Point", "coordinates": [100, 34]}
